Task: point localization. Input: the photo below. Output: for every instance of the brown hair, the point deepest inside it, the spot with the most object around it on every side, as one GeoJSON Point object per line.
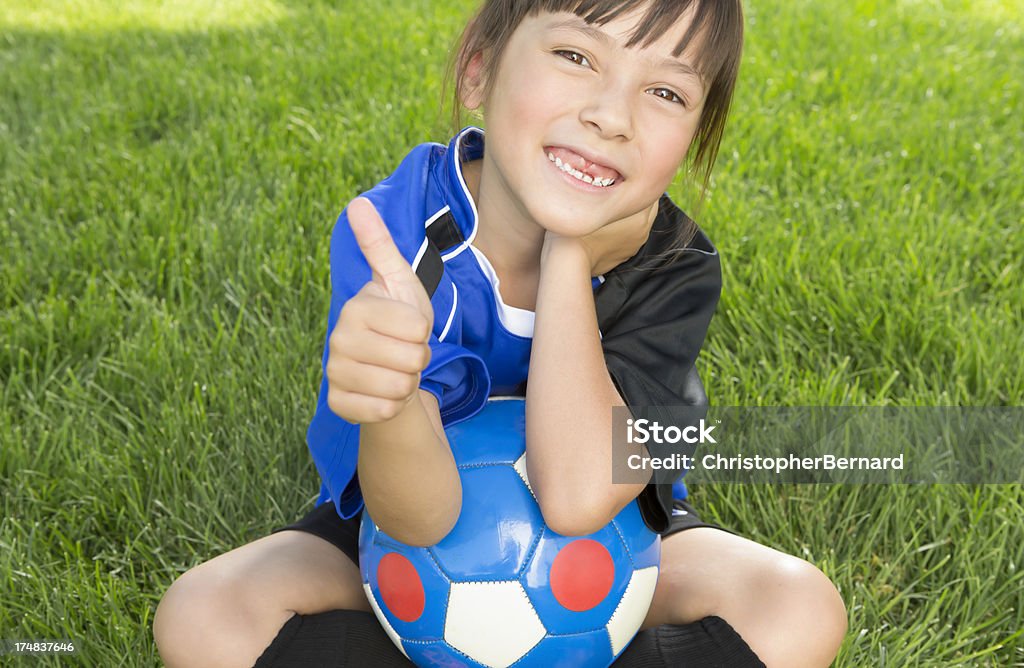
{"type": "Point", "coordinates": [718, 22]}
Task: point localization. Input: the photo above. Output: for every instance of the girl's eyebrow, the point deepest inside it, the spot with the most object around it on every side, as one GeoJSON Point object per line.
{"type": "Point", "coordinates": [683, 68]}
{"type": "Point", "coordinates": [687, 71]}
{"type": "Point", "coordinates": [576, 25]}
{"type": "Point", "coordinates": [587, 30]}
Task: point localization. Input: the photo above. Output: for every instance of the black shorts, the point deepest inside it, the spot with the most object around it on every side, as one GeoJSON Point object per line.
{"type": "Point", "coordinates": [324, 521]}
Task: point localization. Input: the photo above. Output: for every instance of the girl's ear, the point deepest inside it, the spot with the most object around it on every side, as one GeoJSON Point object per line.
{"type": "Point", "coordinates": [473, 83]}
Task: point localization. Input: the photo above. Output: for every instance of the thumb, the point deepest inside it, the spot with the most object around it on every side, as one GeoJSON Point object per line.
{"type": "Point", "coordinates": [375, 242]}
{"type": "Point", "coordinates": [390, 269]}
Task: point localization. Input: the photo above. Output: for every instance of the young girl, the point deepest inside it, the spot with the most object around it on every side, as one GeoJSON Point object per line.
{"type": "Point", "coordinates": [543, 249]}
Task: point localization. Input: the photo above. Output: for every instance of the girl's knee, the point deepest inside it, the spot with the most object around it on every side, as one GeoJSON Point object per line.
{"type": "Point", "coordinates": [193, 594]}
{"type": "Point", "coordinates": [811, 587]}
{"type": "Point", "coordinates": [201, 614]}
{"type": "Point", "coordinates": [183, 612]}
{"type": "Point", "coordinates": [796, 590]}
{"type": "Point", "coordinates": [229, 609]}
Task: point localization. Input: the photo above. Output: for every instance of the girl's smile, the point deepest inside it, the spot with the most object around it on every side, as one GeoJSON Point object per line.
{"type": "Point", "coordinates": [589, 171]}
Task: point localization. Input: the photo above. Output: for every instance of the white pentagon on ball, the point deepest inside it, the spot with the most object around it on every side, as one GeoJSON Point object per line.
{"type": "Point", "coordinates": [480, 615]}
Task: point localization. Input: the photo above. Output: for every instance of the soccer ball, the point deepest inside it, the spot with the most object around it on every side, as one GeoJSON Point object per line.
{"type": "Point", "coordinates": [502, 588]}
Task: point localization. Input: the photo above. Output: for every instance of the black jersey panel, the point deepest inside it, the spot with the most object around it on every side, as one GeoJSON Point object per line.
{"type": "Point", "coordinates": [654, 312]}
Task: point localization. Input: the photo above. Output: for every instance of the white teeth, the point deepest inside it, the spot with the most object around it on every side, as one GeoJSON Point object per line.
{"type": "Point", "coordinates": [586, 178]}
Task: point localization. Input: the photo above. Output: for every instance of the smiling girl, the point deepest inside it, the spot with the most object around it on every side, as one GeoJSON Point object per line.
{"type": "Point", "coordinates": [544, 249]}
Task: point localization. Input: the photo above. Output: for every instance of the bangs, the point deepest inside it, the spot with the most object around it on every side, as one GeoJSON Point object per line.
{"type": "Point", "coordinates": [714, 22]}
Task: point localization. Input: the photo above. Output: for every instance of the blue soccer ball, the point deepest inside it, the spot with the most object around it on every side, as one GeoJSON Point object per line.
{"type": "Point", "coordinates": [502, 588]}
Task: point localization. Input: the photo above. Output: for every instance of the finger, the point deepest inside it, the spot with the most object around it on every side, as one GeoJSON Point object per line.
{"type": "Point", "coordinates": [369, 347]}
{"type": "Point", "coordinates": [386, 316]}
{"type": "Point", "coordinates": [376, 243]}
{"type": "Point", "coordinates": [386, 351]}
{"type": "Point", "coordinates": [359, 408]}
{"type": "Point", "coordinates": [348, 375]}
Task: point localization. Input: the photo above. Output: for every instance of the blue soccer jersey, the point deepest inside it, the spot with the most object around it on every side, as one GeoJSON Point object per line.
{"type": "Point", "coordinates": [653, 312]}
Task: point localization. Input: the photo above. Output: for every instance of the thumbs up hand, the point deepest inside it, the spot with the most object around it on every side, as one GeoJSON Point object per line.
{"type": "Point", "coordinates": [379, 346]}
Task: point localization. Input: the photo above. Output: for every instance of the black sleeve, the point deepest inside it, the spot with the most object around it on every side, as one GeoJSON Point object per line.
{"type": "Point", "coordinates": [653, 321]}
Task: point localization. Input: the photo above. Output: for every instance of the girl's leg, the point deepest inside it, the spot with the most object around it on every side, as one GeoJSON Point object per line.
{"type": "Point", "coordinates": [786, 609]}
{"type": "Point", "coordinates": [225, 612]}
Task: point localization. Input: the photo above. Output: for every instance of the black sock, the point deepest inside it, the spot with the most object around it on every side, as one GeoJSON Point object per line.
{"type": "Point", "coordinates": [705, 643]}
{"type": "Point", "coordinates": [335, 639]}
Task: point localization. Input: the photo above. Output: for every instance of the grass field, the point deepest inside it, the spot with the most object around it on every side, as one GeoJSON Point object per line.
{"type": "Point", "coordinates": [169, 175]}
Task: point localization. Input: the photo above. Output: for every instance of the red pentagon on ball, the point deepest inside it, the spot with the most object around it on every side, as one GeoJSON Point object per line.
{"type": "Point", "coordinates": [582, 575]}
{"type": "Point", "coordinates": [401, 587]}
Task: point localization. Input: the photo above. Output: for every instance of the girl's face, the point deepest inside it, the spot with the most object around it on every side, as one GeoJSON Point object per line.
{"type": "Point", "coordinates": [582, 131]}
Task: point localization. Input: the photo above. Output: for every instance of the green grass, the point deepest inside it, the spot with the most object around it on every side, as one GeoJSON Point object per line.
{"type": "Point", "coordinates": [170, 172]}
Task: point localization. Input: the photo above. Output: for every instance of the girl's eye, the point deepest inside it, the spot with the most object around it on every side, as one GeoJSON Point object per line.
{"type": "Point", "coordinates": [574, 57]}
{"type": "Point", "coordinates": [668, 95]}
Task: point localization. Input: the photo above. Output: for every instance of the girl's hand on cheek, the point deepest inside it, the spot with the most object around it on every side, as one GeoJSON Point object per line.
{"type": "Point", "coordinates": [380, 344]}
{"type": "Point", "coordinates": [606, 247]}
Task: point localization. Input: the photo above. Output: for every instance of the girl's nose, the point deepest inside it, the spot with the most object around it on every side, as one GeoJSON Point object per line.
{"type": "Point", "coordinates": [609, 113]}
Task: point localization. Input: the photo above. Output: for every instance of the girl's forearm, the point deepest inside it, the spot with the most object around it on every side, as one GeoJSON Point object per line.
{"type": "Point", "coordinates": [569, 400]}
{"type": "Point", "coordinates": [408, 476]}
